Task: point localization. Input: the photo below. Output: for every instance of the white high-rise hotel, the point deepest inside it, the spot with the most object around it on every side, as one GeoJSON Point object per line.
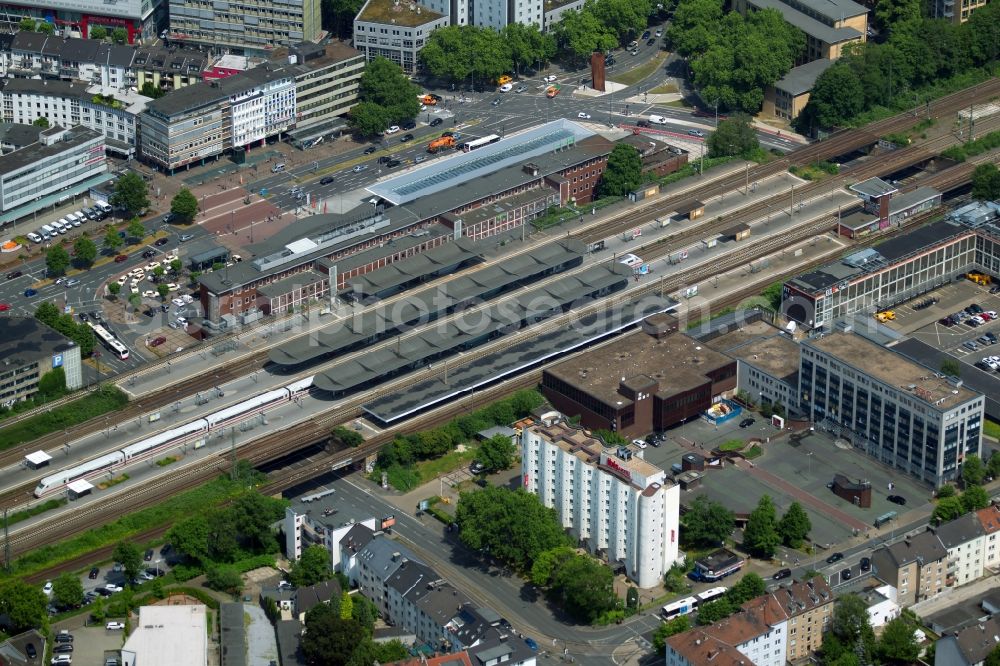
{"type": "Point", "coordinates": [612, 500]}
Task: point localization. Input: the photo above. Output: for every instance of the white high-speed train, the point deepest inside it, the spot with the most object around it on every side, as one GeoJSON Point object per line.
{"type": "Point", "coordinates": [171, 438]}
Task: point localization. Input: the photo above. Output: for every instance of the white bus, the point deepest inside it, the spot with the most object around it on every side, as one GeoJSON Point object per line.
{"type": "Point", "coordinates": [678, 608]}
{"type": "Point", "coordinates": [479, 143]}
{"type": "Point", "coordinates": [110, 342]}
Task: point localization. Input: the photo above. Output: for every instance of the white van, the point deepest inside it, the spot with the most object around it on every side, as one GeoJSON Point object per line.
{"type": "Point", "coordinates": [33, 237]}
{"type": "Point", "coordinates": [59, 226]}
{"type": "Point", "coordinates": [47, 231]}
{"type": "Point", "coordinates": [104, 206]}
{"type": "Point", "coordinates": [74, 220]}
{"type": "Point", "coordinates": [658, 120]}
{"type": "Point", "coordinates": [278, 167]}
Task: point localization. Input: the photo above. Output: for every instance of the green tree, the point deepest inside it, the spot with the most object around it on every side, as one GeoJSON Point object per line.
{"type": "Point", "coordinates": [27, 24]}
{"type": "Point", "coordinates": [184, 206]}
{"type": "Point", "coordinates": [526, 44]}
{"type": "Point", "coordinates": [512, 525]}
{"type": "Point", "coordinates": [623, 172]}
{"type": "Point", "coordinates": [547, 563]}
{"type": "Point", "coordinates": [23, 604]}
{"type": "Point", "coordinates": [312, 567]}
{"type": "Point", "coordinates": [162, 290]}
{"type": "Point", "coordinates": [47, 313]}
{"type": "Point", "coordinates": [948, 508]}
{"type": "Point", "coordinates": [176, 265]}
{"type": "Point", "coordinates": [57, 260]}
{"type": "Point", "coordinates": [690, 31]}
{"type": "Point", "coordinates": [253, 514]}
{"type": "Point", "coordinates": [346, 437]}
{"type": "Point", "coordinates": [190, 536]}
{"type": "Point", "coordinates": [389, 652]}
{"type": "Point", "coordinates": [363, 610]}
{"type": "Point", "coordinates": [497, 453]}
{"type": "Point", "coordinates": [330, 640]}
{"type": "Point", "coordinates": [852, 628]}
{"type": "Point", "coordinates": [67, 590]}
{"type": "Point", "coordinates": [368, 119]}
{"type": "Point", "coordinates": [950, 367]}
{"type": "Point", "coordinates": [150, 90]}
{"type": "Point", "coordinates": [338, 16]}
{"type": "Point", "coordinates": [836, 98]}
{"type": "Point", "coordinates": [714, 611]}
{"type": "Point", "coordinates": [986, 182]}
{"type": "Point", "coordinates": [974, 498]}
{"type": "Point", "coordinates": [761, 538]}
{"type": "Point", "coordinates": [159, 271]}
{"type": "Point", "coordinates": [993, 466]}
{"type": "Point", "coordinates": [128, 555]}
{"type": "Point", "coordinates": [585, 587]}
{"type": "Point", "coordinates": [346, 606]}
{"type": "Point", "coordinates": [99, 32]}
{"type": "Point", "coordinates": [135, 229]}
{"type": "Point", "coordinates": [773, 295]}
{"type": "Point", "coordinates": [734, 136]}
{"type": "Point", "coordinates": [53, 383]}
{"type": "Point", "coordinates": [749, 587]}
{"type": "Point", "coordinates": [993, 658]}
{"type": "Point", "coordinates": [45, 28]}
{"type": "Point", "coordinates": [42, 122]}
{"type": "Point", "coordinates": [625, 18]}
{"type": "Point", "coordinates": [114, 288]}
{"type": "Point", "coordinates": [892, 16]}
{"type": "Point", "coordinates": [85, 250]}
{"type": "Point", "coordinates": [579, 33]}
{"type": "Point", "coordinates": [224, 579]}
{"type": "Point", "coordinates": [946, 490]}
{"type": "Point", "coordinates": [112, 240]}
{"type": "Point", "coordinates": [973, 471]}
{"type": "Point", "coordinates": [897, 644]}
{"type": "Point", "coordinates": [707, 523]}
{"type": "Point", "coordinates": [130, 193]}
{"type": "Point", "coordinates": [794, 526]}
{"type": "Point", "coordinates": [119, 35]}
{"type": "Point", "coordinates": [675, 580]}
{"type": "Point", "coordinates": [461, 52]}
{"type": "Point", "coordinates": [385, 84]}
{"type": "Point", "coordinates": [678, 625]}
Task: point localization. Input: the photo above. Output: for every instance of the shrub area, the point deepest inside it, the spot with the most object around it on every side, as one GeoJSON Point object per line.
{"type": "Point", "coordinates": [106, 399]}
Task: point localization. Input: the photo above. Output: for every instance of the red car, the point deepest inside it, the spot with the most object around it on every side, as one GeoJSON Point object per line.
{"type": "Point", "coordinates": [156, 342]}
{"type": "Point", "coordinates": [120, 258]}
{"type": "Point", "coordinates": [4, 307]}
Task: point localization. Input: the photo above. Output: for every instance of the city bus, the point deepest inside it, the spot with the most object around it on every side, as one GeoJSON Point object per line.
{"type": "Point", "coordinates": [479, 143]}
{"type": "Point", "coordinates": [110, 342]}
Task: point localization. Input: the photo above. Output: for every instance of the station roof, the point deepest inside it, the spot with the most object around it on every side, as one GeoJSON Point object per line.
{"type": "Point", "coordinates": [513, 150]}
{"type": "Point", "coordinates": [470, 327]}
{"type": "Point", "coordinates": [416, 267]}
{"type": "Point", "coordinates": [80, 486]}
{"type": "Point", "coordinates": [38, 458]}
{"type": "Point", "coordinates": [429, 303]}
{"type": "Point", "coordinates": [492, 367]}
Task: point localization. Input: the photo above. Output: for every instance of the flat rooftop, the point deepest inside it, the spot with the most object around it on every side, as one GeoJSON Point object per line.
{"type": "Point", "coordinates": [36, 152]}
{"type": "Point", "coordinates": [677, 361]}
{"type": "Point", "coordinates": [169, 635]}
{"type": "Point", "coordinates": [801, 79]}
{"type": "Point", "coordinates": [24, 339]}
{"type": "Point", "coordinates": [453, 172]}
{"type": "Point", "coordinates": [892, 369]}
{"type": "Point", "coordinates": [763, 346]}
{"type": "Point", "coordinates": [397, 13]}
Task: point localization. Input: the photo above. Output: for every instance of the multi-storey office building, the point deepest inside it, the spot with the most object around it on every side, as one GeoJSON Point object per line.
{"type": "Point", "coordinates": [612, 501]}
{"type": "Point", "coordinates": [207, 119]}
{"type": "Point", "coordinates": [141, 19]}
{"type": "Point", "coordinates": [60, 159]}
{"type": "Point", "coordinates": [110, 111]}
{"type": "Point", "coordinates": [246, 27]}
{"type": "Point", "coordinates": [895, 410]}
{"type": "Point", "coordinates": [395, 30]}
{"type": "Point", "coordinates": [30, 349]}
{"type": "Point", "coordinates": [326, 82]}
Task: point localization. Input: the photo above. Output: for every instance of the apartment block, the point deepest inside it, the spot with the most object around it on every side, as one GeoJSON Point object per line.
{"type": "Point", "coordinates": [964, 540]}
{"type": "Point", "coordinates": [110, 111]}
{"type": "Point", "coordinates": [62, 158]}
{"type": "Point", "coordinates": [809, 608]}
{"type": "Point", "coordinates": [893, 409]}
{"type": "Point", "coordinates": [989, 518]}
{"type": "Point", "coordinates": [969, 646]}
{"type": "Point", "coordinates": [141, 19]}
{"type": "Point", "coordinates": [245, 27]}
{"type": "Point", "coordinates": [916, 567]}
{"type": "Point", "coordinates": [947, 9]}
{"type": "Point", "coordinates": [396, 31]}
{"type": "Point", "coordinates": [613, 501]}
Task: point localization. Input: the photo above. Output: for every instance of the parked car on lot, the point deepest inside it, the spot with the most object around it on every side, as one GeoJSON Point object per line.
{"type": "Point", "coordinates": [93, 573]}
{"type": "Point", "coordinates": [897, 499]}
{"type": "Point", "coordinates": [115, 626]}
{"type": "Point", "coordinates": [747, 422]}
{"type": "Point", "coordinates": [156, 342]}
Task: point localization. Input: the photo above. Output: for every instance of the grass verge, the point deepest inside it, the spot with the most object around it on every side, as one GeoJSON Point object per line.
{"type": "Point", "coordinates": [35, 510]}
{"type": "Point", "coordinates": [430, 469]}
{"type": "Point", "coordinates": [665, 89]}
{"type": "Point", "coordinates": [171, 509]}
{"type": "Point", "coordinates": [991, 429]}
{"type": "Point", "coordinates": [633, 76]}
{"type": "Point", "coordinates": [107, 399]}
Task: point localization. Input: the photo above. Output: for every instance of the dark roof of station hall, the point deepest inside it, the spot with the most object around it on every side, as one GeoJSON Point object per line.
{"type": "Point", "coordinates": [395, 355]}
{"type": "Point", "coordinates": [427, 303]}
{"type": "Point", "coordinates": [416, 267]}
{"type": "Point", "coordinates": [463, 377]}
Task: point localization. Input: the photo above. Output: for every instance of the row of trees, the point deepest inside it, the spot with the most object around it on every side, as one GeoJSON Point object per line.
{"type": "Point", "coordinates": [707, 524]}
{"type": "Point", "coordinates": [458, 52]}
{"type": "Point", "coordinates": [581, 585]}
{"type": "Point", "coordinates": [601, 25]}
{"type": "Point", "coordinates": [81, 334]}
{"type": "Point", "coordinates": [975, 472]}
{"type": "Point", "coordinates": [850, 640]}
{"type": "Point", "coordinates": [733, 57]}
{"type": "Point", "coordinates": [749, 587]}
{"type": "Point", "coordinates": [118, 35]}
{"type": "Point", "coordinates": [919, 54]}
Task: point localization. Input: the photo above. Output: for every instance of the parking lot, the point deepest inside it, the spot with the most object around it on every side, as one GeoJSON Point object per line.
{"type": "Point", "coordinates": [794, 466]}
{"type": "Point", "coordinates": [93, 644]}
